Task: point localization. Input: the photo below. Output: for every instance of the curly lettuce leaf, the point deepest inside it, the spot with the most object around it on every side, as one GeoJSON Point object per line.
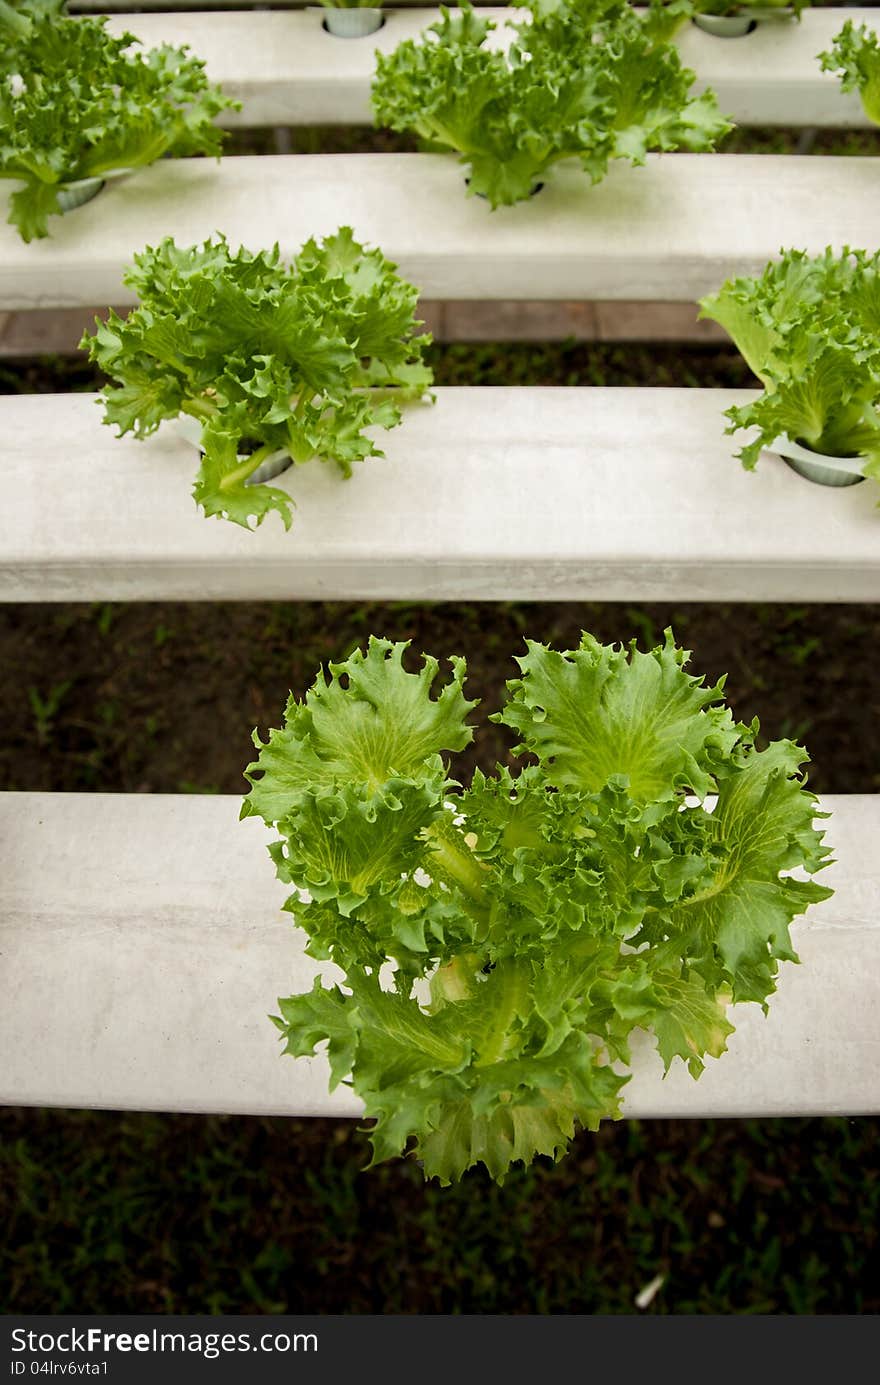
{"type": "Point", "coordinates": [31, 206]}
{"type": "Point", "coordinates": [597, 712]}
{"type": "Point", "coordinates": [855, 55]}
{"type": "Point", "coordinates": [222, 488]}
{"type": "Point", "coordinates": [16, 16]}
{"type": "Point", "coordinates": [664, 18]}
{"type": "Point", "coordinates": [357, 783]}
{"type": "Point", "coordinates": [364, 723]}
{"type": "Point", "coordinates": [733, 928]}
{"type": "Point", "coordinates": [457, 1081]}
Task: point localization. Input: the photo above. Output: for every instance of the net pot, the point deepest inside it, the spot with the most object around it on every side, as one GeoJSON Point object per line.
{"type": "Point", "coordinates": [189, 430]}
{"type": "Point", "coordinates": [348, 23]}
{"type": "Point", "coordinates": [817, 466]}
{"type": "Point", "coordinates": [726, 25]}
{"type": "Point", "coordinates": [534, 192]}
{"type": "Point", "coordinates": [273, 466]}
{"type": "Point", "coordinates": [74, 194]}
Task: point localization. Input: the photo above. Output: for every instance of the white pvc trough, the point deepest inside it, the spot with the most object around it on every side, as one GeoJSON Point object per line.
{"type": "Point", "coordinates": [671, 231]}
{"type": "Point", "coordinates": [506, 493]}
{"type": "Point", "coordinates": [142, 947]}
{"type": "Point", "coordinates": [286, 69]}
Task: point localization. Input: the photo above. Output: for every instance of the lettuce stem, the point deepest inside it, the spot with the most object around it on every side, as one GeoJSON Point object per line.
{"type": "Point", "coordinates": [458, 862]}
{"type": "Point", "coordinates": [512, 977]}
{"type": "Point", "coordinates": [455, 980]}
{"type": "Point", "coordinates": [199, 408]}
{"type": "Point", "coordinates": [18, 23]}
{"type": "Point", "coordinates": [246, 468]}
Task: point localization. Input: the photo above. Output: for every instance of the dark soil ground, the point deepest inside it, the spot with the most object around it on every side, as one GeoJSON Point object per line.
{"type": "Point", "coordinates": [163, 698]}
{"type": "Point", "coordinates": [364, 139]}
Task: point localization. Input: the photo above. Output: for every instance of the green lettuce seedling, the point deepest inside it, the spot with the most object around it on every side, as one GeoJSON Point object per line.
{"type": "Point", "coordinates": [809, 328]}
{"type": "Point", "coordinates": [582, 79]}
{"type": "Point", "coordinates": [501, 943]}
{"type": "Point", "coordinates": [269, 358]}
{"type": "Point", "coordinates": [855, 54]}
{"type": "Point", "coordinates": [77, 102]}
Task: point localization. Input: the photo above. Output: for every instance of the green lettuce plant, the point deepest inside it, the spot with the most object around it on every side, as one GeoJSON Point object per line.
{"type": "Point", "coordinates": [78, 103]}
{"type": "Point", "coordinates": [582, 79]}
{"type": "Point", "coordinates": [855, 54]}
{"type": "Point", "coordinates": [809, 328]}
{"type": "Point", "coordinates": [666, 17]}
{"type": "Point", "coordinates": [269, 359]}
{"type": "Point", "coordinates": [501, 943]}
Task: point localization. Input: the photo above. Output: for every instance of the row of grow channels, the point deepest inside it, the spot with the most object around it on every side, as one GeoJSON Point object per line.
{"type": "Point", "coordinates": [492, 106]}
{"type": "Point", "coordinates": [532, 922]}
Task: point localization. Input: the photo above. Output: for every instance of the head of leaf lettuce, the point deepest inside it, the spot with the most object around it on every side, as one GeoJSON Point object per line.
{"type": "Point", "coordinates": [298, 361]}
{"type": "Point", "coordinates": [809, 328]}
{"type": "Point", "coordinates": [580, 80]}
{"type": "Point", "coordinates": [501, 943]}
{"type": "Point", "coordinates": [855, 55]}
{"type": "Point", "coordinates": [77, 102]}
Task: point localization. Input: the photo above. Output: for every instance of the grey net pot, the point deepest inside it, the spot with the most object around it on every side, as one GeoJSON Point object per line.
{"type": "Point", "coordinates": [72, 195]}
{"type": "Point", "coordinates": [352, 23]}
{"type": "Point", "coordinates": [817, 467]}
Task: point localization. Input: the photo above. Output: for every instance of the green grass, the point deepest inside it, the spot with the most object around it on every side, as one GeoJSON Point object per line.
{"type": "Point", "coordinates": [146, 1213]}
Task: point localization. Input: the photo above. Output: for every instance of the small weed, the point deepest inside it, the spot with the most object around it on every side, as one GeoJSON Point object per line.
{"type": "Point", "coordinates": [799, 654]}
{"type": "Point", "coordinates": [642, 623]}
{"type": "Point", "coordinates": [105, 614]}
{"type": "Point", "coordinates": [45, 709]}
{"type": "Point", "coordinates": [797, 730]}
{"type": "Point", "coordinates": [191, 786]}
{"type": "Point", "coordinates": [108, 713]}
